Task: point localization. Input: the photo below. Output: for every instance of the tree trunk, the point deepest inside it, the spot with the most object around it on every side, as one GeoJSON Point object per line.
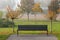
{"type": "Point", "coordinates": [35, 16]}
{"type": "Point", "coordinates": [12, 24]}
{"type": "Point", "coordinates": [51, 26]}
{"type": "Point", "coordinates": [28, 16]}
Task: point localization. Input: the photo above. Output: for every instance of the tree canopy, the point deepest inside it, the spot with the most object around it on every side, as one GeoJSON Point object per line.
{"type": "Point", "coordinates": [36, 8]}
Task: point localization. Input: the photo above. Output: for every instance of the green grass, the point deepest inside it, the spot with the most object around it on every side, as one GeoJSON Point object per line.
{"type": "Point", "coordinates": [57, 35]}
{"type": "Point", "coordinates": [5, 32]}
{"type": "Point", "coordinates": [55, 25]}
{"type": "Point", "coordinates": [3, 37]}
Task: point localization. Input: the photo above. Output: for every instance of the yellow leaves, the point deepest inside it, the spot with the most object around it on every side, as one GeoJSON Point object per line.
{"type": "Point", "coordinates": [51, 14]}
{"type": "Point", "coordinates": [12, 14]}
{"type": "Point", "coordinates": [37, 5]}
{"type": "Point", "coordinates": [36, 8]}
{"type": "Point", "coordinates": [58, 10]}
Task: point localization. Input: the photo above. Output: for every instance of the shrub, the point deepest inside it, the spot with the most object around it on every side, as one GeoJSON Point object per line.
{"type": "Point", "coordinates": [6, 23]}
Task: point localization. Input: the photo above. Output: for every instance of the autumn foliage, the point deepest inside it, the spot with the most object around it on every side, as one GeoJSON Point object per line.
{"type": "Point", "coordinates": [36, 8]}
{"type": "Point", "coordinates": [12, 14]}
{"type": "Point", "coordinates": [51, 14]}
{"type": "Point", "coordinates": [53, 9]}
{"type": "Point", "coordinates": [58, 10]}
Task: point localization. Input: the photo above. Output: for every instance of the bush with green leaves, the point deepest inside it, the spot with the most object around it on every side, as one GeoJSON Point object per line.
{"type": "Point", "coordinates": [6, 23]}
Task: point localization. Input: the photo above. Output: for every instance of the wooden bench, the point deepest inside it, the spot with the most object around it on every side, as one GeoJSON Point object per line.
{"type": "Point", "coordinates": [32, 28]}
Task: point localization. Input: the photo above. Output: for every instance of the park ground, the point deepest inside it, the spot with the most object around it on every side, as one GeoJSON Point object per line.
{"type": "Point", "coordinates": [6, 32]}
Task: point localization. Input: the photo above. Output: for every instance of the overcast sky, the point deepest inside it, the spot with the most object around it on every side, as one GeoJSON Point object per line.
{"type": "Point", "coordinates": [44, 3]}
{"type": "Point", "coordinates": [13, 3]}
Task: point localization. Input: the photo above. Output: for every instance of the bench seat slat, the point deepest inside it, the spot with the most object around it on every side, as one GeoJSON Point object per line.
{"type": "Point", "coordinates": [32, 27]}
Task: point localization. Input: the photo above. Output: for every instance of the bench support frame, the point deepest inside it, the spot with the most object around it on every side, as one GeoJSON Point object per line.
{"type": "Point", "coordinates": [19, 29]}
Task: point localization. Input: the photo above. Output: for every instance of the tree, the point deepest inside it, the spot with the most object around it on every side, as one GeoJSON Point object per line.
{"type": "Point", "coordinates": [12, 14]}
{"type": "Point", "coordinates": [58, 6]}
{"type": "Point", "coordinates": [51, 15]}
{"type": "Point", "coordinates": [53, 7]}
{"type": "Point", "coordinates": [26, 6]}
{"type": "Point", "coordinates": [36, 8]}
{"type": "Point", "coordinates": [52, 11]}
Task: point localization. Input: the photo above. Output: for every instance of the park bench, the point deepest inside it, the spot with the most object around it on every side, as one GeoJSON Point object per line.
{"type": "Point", "coordinates": [32, 28]}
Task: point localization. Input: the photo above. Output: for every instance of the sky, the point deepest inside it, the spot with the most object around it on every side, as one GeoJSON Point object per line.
{"type": "Point", "coordinates": [13, 3]}
{"type": "Point", "coordinates": [44, 3]}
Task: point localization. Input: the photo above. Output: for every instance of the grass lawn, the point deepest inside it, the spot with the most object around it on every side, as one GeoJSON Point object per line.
{"type": "Point", "coordinates": [3, 37]}
{"type": "Point", "coordinates": [5, 32]}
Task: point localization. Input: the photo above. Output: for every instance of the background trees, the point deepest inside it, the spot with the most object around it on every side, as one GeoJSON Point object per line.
{"type": "Point", "coordinates": [1, 13]}
{"type": "Point", "coordinates": [52, 11]}
{"type": "Point", "coordinates": [4, 22]}
{"type": "Point", "coordinates": [36, 8]}
{"type": "Point", "coordinates": [26, 6]}
{"type": "Point", "coordinates": [53, 7]}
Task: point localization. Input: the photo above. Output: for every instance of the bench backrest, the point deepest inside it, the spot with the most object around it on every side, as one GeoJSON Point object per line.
{"type": "Point", "coordinates": [32, 27]}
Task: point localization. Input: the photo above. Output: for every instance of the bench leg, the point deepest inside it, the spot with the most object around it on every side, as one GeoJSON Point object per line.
{"type": "Point", "coordinates": [17, 32]}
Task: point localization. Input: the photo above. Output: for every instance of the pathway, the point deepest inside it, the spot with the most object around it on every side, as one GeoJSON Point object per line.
{"type": "Point", "coordinates": [32, 37]}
